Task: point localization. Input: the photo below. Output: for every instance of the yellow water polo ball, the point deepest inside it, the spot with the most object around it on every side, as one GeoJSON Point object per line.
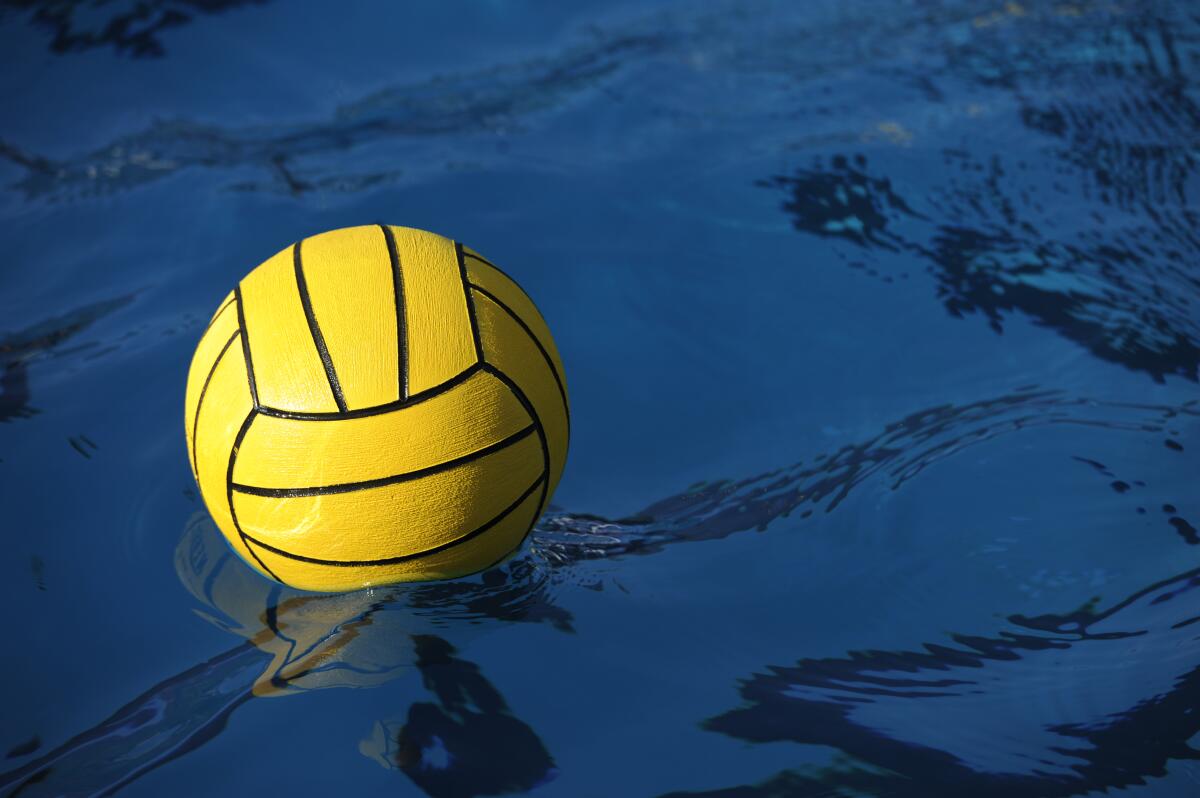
{"type": "Point", "coordinates": [373, 405]}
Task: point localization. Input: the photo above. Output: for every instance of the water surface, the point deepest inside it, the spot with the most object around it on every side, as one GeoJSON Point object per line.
{"type": "Point", "coordinates": [881, 327]}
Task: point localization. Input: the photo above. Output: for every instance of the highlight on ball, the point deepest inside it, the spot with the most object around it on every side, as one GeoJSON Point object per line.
{"type": "Point", "coordinates": [372, 405]}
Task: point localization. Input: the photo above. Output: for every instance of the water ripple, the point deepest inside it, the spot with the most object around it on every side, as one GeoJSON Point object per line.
{"type": "Point", "coordinates": [295, 642]}
{"type": "Point", "coordinates": [1055, 705]}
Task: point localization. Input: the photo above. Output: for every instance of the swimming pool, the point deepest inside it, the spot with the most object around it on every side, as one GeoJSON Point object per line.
{"type": "Point", "coordinates": [880, 322]}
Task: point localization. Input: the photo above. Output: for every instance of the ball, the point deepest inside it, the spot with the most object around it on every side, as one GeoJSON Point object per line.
{"type": "Point", "coordinates": [373, 405]}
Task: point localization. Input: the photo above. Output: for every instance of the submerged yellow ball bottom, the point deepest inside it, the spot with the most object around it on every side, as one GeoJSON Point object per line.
{"type": "Point", "coordinates": [374, 405]}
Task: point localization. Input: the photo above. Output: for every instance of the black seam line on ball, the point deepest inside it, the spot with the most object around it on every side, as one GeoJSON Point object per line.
{"type": "Point", "coordinates": [508, 277]}
{"type": "Point", "coordinates": [487, 262]}
{"type": "Point", "coordinates": [541, 480]}
{"type": "Point", "coordinates": [315, 329]}
{"type": "Point", "coordinates": [562, 390]}
{"type": "Point", "coordinates": [237, 295]}
{"type": "Point", "coordinates": [532, 522]}
{"type": "Point", "coordinates": [508, 553]}
{"type": "Point", "coordinates": [233, 453]}
{"type": "Point", "coordinates": [350, 487]}
{"type": "Point", "coordinates": [537, 422]}
{"type": "Point", "coordinates": [221, 310]}
{"type": "Point", "coordinates": [200, 400]}
{"type": "Point", "coordinates": [364, 412]}
{"type": "Point", "coordinates": [401, 320]}
{"type": "Point", "coordinates": [470, 300]}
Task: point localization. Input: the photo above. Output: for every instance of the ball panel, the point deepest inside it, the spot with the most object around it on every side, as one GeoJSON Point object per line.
{"type": "Point", "coordinates": [397, 519]}
{"type": "Point", "coordinates": [288, 371]}
{"type": "Point", "coordinates": [481, 551]}
{"type": "Point", "coordinates": [439, 335]}
{"type": "Point", "coordinates": [212, 344]}
{"type": "Point", "coordinates": [296, 453]}
{"type": "Point", "coordinates": [348, 274]}
{"type": "Point", "coordinates": [529, 333]}
{"type": "Point", "coordinates": [485, 275]}
{"type": "Point", "coordinates": [508, 347]}
{"type": "Point", "coordinates": [224, 306]}
{"type": "Point", "coordinates": [224, 409]}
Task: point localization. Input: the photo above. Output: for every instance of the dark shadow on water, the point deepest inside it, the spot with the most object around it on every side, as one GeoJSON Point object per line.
{"type": "Point", "coordinates": [296, 159]}
{"type": "Point", "coordinates": [467, 743]}
{"type": "Point", "coordinates": [20, 349]}
{"type": "Point", "coordinates": [1120, 302]}
{"type": "Point", "coordinates": [1069, 199]}
{"type": "Point", "coordinates": [131, 28]}
{"type": "Point", "coordinates": [26, 748]}
{"type": "Point", "coordinates": [899, 714]}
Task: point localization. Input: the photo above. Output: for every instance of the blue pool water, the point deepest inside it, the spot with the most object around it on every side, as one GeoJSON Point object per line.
{"type": "Point", "coordinates": [881, 322]}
